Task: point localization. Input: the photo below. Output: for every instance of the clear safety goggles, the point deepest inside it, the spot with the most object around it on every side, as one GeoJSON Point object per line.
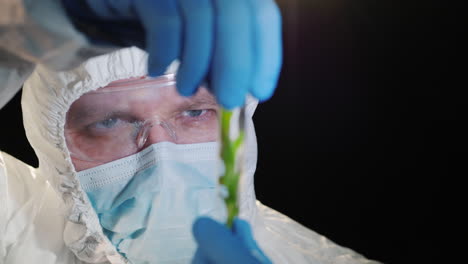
{"type": "Point", "coordinates": [126, 116]}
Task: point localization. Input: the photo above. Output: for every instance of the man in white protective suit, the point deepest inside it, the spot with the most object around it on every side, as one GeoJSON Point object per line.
{"type": "Point", "coordinates": [127, 166]}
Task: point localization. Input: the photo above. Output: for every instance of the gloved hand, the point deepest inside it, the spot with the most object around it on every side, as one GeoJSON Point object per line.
{"type": "Point", "coordinates": [218, 244]}
{"type": "Point", "coordinates": [235, 46]}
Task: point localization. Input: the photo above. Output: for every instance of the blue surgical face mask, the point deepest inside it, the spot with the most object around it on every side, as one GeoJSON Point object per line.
{"type": "Point", "coordinates": [147, 202]}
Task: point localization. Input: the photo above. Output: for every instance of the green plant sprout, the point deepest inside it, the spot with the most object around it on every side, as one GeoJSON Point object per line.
{"type": "Point", "coordinates": [230, 154]}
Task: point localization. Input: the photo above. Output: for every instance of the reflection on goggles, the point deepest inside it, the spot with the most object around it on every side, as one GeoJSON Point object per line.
{"type": "Point", "coordinates": [121, 119]}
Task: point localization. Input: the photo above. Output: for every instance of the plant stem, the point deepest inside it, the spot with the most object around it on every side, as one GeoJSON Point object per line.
{"type": "Point", "coordinates": [230, 155]}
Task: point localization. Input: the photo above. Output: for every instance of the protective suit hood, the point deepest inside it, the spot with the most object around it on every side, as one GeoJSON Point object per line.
{"type": "Point", "coordinates": [47, 96]}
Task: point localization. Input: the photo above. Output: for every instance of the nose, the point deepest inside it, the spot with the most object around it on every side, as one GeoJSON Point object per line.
{"type": "Point", "coordinates": [157, 132]}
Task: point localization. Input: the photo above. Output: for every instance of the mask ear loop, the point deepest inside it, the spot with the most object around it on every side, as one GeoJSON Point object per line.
{"type": "Point", "coordinates": [143, 134]}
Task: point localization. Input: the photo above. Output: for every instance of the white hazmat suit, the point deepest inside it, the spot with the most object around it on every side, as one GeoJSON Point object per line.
{"type": "Point", "coordinates": [45, 216]}
{"type": "Point", "coordinates": [45, 213]}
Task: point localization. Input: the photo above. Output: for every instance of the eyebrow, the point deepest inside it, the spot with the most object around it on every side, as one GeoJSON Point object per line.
{"type": "Point", "coordinates": [81, 115]}
{"type": "Point", "coordinates": [198, 100]}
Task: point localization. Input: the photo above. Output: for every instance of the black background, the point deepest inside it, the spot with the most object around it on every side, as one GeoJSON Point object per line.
{"type": "Point", "coordinates": [357, 140]}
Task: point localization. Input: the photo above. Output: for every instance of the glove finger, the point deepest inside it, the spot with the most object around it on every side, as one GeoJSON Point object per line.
{"type": "Point", "coordinates": [267, 48]}
{"type": "Point", "coordinates": [198, 17]}
{"type": "Point", "coordinates": [163, 25]}
{"type": "Point", "coordinates": [233, 52]}
{"type": "Point", "coordinates": [218, 244]}
{"type": "Point", "coordinates": [242, 230]}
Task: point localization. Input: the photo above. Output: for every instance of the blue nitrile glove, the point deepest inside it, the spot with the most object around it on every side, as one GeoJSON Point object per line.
{"type": "Point", "coordinates": [235, 46]}
{"type": "Point", "coordinates": [219, 245]}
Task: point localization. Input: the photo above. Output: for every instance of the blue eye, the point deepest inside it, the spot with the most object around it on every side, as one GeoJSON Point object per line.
{"type": "Point", "coordinates": [194, 113]}
{"type": "Point", "coordinates": [108, 123]}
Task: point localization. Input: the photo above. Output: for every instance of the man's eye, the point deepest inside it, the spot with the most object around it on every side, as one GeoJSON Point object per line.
{"type": "Point", "coordinates": [106, 124]}
{"type": "Point", "coordinates": [194, 113]}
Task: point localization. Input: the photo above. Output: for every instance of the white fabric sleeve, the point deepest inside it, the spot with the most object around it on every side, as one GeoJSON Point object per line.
{"type": "Point", "coordinates": [287, 241]}
{"type": "Point", "coordinates": [33, 32]}
{"type": "Point", "coordinates": [16, 198]}
{"type": "Point", "coordinates": [3, 207]}
{"type": "Point", "coordinates": [31, 217]}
